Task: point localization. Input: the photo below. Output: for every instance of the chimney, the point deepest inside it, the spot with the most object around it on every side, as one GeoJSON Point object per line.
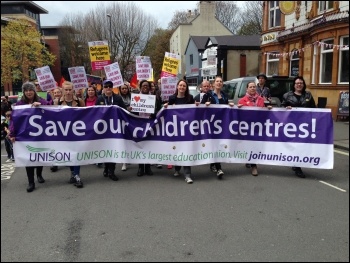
{"type": "Point", "coordinates": [189, 14]}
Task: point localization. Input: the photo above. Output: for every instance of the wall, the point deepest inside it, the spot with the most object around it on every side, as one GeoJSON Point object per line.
{"type": "Point", "coordinates": [233, 63]}
{"type": "Point", "coordinates": [204, 25]}
{"type": "Point", "coordinates": [52, 41]}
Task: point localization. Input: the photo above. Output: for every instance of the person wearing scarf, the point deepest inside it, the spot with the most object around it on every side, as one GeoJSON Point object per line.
{"type": "Point", "coordinates": [253, 99]}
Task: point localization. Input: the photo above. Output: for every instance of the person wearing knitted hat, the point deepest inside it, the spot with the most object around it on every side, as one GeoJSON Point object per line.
{"type": "Point", "coordinates": [30, 97]}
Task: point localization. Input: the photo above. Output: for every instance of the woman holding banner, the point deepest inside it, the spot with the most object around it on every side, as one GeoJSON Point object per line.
{"type": "Point", "coordinates": [181, 96]}
{"type": "Point", "coordinates": [253, 99]}
{"type": "Point", "coordinates": [125, 93]}
{"type": "Point", "coordinates": [145, 88]}
{"type": "Point", "coordinates": [216, 96]}
{"type": "Point", "coordinates": [298, 97]}
{"type": "Point", "coordinates": [69, 99]}
{"type": "Point", "coordinates": [109, 98]}
{"type": "Point", "coordinates": [30, 97]}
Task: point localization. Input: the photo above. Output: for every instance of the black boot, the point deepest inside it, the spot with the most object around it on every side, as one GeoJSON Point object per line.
{"type": "Point", "coordinates": [148, 170]}
{"type": "Point", "coordinates": [299, 172]}
{"type": "Point", "coordinates": [31, 187]}
{"type": "Point", "coordinates": [140, 172]}
{"type": "Point", "coordinates": [112, 176]}
{"type": "Point", "coordinates": [40, 179]}
{"type": "Point", "coordinates": [105, 172]}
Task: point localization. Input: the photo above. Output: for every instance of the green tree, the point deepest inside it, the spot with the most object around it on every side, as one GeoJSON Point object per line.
{"type": "Point", "coordinates": [22, 51]}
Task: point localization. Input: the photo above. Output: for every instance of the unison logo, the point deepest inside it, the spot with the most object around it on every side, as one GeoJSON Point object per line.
{"type": "Point", "coordinates": [47, 155]}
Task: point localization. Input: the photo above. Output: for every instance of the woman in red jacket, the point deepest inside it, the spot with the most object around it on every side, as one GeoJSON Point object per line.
{"type": "Point", "coordinates": [253, 99]}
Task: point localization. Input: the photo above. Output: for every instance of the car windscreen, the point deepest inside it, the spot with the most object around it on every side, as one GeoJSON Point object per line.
{"type": "Point", "coordinates": [278, 87]}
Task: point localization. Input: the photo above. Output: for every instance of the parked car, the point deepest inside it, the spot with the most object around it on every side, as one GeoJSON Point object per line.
{"type": "Point", "coordinates": [193, 90]}
{"type": "Point", "coordinates": [236, 88]}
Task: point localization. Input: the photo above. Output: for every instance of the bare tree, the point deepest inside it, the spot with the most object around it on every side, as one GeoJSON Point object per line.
{"type": "Point", "coordinates": [179, 17]}
{"type": "Point", "coordinates": [129, 33]}
{"type": "Point", "coordinates": [251, 18]}
{"type": "Point", "coordinates": [228, 13]}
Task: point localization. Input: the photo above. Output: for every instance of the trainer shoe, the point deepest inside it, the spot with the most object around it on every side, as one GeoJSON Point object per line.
{"type": "Point", "coordinates": [170, 166]}
{"type": "Point", "coordinates": [8, 160]}
{"type": "Point", "coordinates": [177, 173]}
{"type": "Point", "coordinates": [124, 167]}
{"type": "Point", "coordinates": [159, 166]}
{"type": "Point", "coordinates": [213, 169]}
{"type": "Point", "coordinates": [79, 183]}
{"type": "Point", "coordinates": [188, 180]}
{"type": "Point", "coordinates": [220, 173]}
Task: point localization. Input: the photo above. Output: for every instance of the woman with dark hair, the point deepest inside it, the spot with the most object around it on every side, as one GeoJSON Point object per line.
{"type": "Point", "coordinates": [181, 96]}
{"type": "Point", "coordinates": [125, 93]}
{"type": "Point", "coordinates": [145, 88]}
{"type": "Point", "coordinates": [91, 96]}
{"type": "Point", "coordinates": [30, 97]}
{"type": "Point", "coordinates": [298, 97]}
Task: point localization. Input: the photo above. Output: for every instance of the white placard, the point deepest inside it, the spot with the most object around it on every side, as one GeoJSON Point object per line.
{"type": "Point", "coordinates": [78, 77]}
{"type": "Point", "coordinates": [113, 73]}
{"type": "Point", "coordinates": [143, 103]}
{"type": "Point", "coordinates": [168, 87]}
{"type": "Point", "coordinates": [143, 68]}
{"type": "Point", "coordinates": [45, 78]}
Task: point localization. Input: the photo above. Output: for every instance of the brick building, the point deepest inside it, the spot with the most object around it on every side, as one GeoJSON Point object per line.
{"type": "Point", "coordinates": [311, 39]}
{"type": "Point", "coordinates": [30, 11]}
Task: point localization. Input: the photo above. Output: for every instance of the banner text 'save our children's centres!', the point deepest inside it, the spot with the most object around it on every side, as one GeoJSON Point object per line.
{"type": "Point", "coordinates": [180, 135]}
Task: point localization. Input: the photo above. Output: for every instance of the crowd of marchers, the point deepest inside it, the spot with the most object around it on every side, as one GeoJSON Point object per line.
{"type": "Point", "coordinates": [257, 95]}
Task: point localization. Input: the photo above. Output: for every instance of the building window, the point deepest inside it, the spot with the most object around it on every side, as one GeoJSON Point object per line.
{"type": "Point", "coordinates": [191, 59]}
{"type": "Point", "coordinates": [274, 14]}
{"type": "Point", "coordinates": [272, 63]}
{"type": "Point", "coordinates": [326, 61]}
{"type": "Point", "coordinates": [294, 64]}
{"type": "Point", "coordinates": [324, 6]}
{"type": "Point", "coordinates": [343, 76]}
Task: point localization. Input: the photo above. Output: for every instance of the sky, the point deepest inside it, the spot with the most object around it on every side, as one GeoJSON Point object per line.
{"type": "Point", "coordinates": [162, 11]}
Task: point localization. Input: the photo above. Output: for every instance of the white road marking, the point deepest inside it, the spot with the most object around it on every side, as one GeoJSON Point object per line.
{"type": "Point", "coordinates": [340, 152]}
{"type": "Point", "coordinates": [7, 170]}
{"type": "Point", "coordinates": [342, 190]}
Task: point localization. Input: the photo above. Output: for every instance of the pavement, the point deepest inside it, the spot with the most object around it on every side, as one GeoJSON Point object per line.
{"type": "Point", "coordinates": [341, 135]}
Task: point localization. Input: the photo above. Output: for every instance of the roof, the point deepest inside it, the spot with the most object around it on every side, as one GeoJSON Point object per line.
{"type": "Point", "coordinates": [29, 4]}
{"type": "Point", "coordinates": [200, 41]}
{"type": "Point", "coordinates": [236, 41]}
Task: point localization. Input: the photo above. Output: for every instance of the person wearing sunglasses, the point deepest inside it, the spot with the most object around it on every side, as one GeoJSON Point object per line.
{"type": "Point", "coordinates": [110, 98]}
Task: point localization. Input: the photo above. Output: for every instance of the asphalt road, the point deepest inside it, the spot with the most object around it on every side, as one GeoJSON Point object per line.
{"type": "Point", "coordinates": [275, 216]}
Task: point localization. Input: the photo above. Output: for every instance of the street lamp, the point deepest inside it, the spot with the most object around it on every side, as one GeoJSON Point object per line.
{"type": "Point", "coordinates": [110, 33]}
